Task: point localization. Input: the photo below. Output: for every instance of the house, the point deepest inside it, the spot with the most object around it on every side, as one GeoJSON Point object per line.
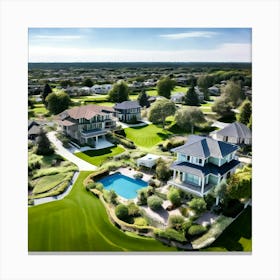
{"type": "Point", "coordinates": [214, 90]}
{"type": "Point", "coordinates": [236, 133]}
{"type": "Point", "coordinates": [128, 111]}
{"type": "Point", "coordinates": [178, 97]}
{"type": "Point", "coordinates": [101, 89]}
{"type": "Point", "coordinates": [202, 163]}
{"type": "Point", "coordinates": [33, 130]}
{"type": "Point", "coordinates": [87, 124]}
{"type": "Point", "coordinates": [199, 93]}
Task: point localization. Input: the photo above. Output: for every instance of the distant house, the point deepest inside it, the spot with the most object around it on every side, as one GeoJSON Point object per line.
{"type": "Point", "coordinates": [101, 89]}
{"type": "Point", "coordinates": [178, 97]}
{"type": "Point", "coordinates": [236, 133]}
{"type": "Point", "coordinates": [33, 130]}
{"type": "Point", "coordinates": [202, 163]}
{"type": "Point", "coordinates": [199, 93]}
{"type": "Point", "coordinates": [128, 111]}
{"type": "Point", "coordinates": [214, 90]}
{"type": "Point", "coordinates": [87, 124]}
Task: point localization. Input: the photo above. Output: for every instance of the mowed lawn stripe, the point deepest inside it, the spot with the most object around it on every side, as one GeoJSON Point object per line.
{"type": "Point", "coordinates": [146, 136]}
{"type": "Point", "coordinates": [79, 222]}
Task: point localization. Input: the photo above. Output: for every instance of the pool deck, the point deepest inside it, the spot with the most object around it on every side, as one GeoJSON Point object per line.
{"type": "Point", "coordinates": [130, 173]}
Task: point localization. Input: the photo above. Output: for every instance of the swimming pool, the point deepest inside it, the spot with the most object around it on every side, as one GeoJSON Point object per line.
{"type": "Point", "coordinates": [123, 185]}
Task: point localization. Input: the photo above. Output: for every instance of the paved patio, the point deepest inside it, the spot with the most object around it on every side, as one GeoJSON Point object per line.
{"type": "Point", "coordinates": [207, 218]}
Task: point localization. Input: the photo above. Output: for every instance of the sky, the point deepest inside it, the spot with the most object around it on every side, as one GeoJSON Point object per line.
{"type": "Point", "coordinates": [139, 44]}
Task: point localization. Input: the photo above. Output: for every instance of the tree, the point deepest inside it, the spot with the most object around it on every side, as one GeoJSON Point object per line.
{"type": "Point", "coordinates": [142, 197]}
{"type": "Point", "coordinates": [162, 170]}
{"type": "Point", "coordinates": [43, 144]}
{"type": "Point", "coordinates": [88, 83]}
{"type": "Point", "coordinates": [58, 102]}
{"type": "Point", "coordinates": [121, 212]}
{"type": "Point", "coordinates": [187, 118]}
{"type": "Point", "coordinates": [233, 93]}
{"type": "Point", "coordinates": [176, 222]}
{"type": "Point", "coordinates": [143, 99]}
{"type": "Point", "coordinates": [164, 87]}
{"type": "Point", "coordinates": [47, 90]}
{"type": "Point", "coordinates": [160, 110]}
{"type": "Point", "coordinates": [204, 82]}
{"type": "Point", "coordinates": [66, 83]}
{"type": "Point", "coordinates": [240, 185]}
{"type": "Point", "coordinates": [174, 197]}
{"type": "Point", "coordinates": [220, 192]}
{"type": "Point", "coordinates": [250, 122]}
{"type": "Point", "coordinates": [191, 97]}
{"type": "Point", "coordinates": [223, 107]}
{"type": "Point", "coordinates": [112, 197]}
{"type": "Point", "coordinates": [154, 202]}
{"type": "Point", "coordinates": [119, 92]}
{"type": "Point", "coordinates": [198, 205]}
{"type": "Point", "coordinates": [245, 112]}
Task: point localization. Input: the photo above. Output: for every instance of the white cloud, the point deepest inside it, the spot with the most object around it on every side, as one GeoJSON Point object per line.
{"type": "Point", "coordinates": [230, 52]}
{"type": "Point", "coordinates": [194, 34]}
{"type": "Point", "coordinates": [57, 37]}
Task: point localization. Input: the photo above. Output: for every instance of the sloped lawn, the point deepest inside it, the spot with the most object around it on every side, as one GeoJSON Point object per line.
{"type": "Point", "coordinates": [79, 222]}
{"type": "Point", "coordinates": [146, 136]}
{"type": "Point", "coordinates": [97, 157]}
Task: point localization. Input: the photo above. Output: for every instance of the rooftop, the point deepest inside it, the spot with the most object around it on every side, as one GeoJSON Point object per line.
{"type": "Point", "coordinates": [127, 105]}
{"type": "Point", "coordinates": [236, 129]}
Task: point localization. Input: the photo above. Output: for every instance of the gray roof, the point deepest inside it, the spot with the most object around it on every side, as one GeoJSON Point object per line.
{"type": "Point", "coordinates": [34, 130]}
{"type": "Point", "coordinates": [203, 147]}
{"type": "Point", "coordinates": [127, 105]}
{"type": "Point", "coordinates": [236, 129]}
{"type": "Point", "coordinates": [206, 169]}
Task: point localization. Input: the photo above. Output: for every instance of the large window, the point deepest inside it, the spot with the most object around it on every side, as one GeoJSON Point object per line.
{"type": "Point", "coordinates": [192, 179]}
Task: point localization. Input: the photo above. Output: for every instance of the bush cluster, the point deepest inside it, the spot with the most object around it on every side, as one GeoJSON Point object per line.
{"type": "Point", "coordinates": [172, 143]}
{"type": "Point", "coordinates": [138, 175]}
{"type": "Point", "coordinates": [121, 212]}
{"type": "Point", "coordinates": [196, 230]}
{"type": "Point", "coordinates": [171, 234]}
{"type": "Point", "coordinates": [154, 202]}
{"type": "Point", "coordinates": [174, 197]}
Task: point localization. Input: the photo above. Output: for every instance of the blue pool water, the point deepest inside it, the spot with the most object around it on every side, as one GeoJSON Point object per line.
{"type": "Point", "coordinates": [123, 185]}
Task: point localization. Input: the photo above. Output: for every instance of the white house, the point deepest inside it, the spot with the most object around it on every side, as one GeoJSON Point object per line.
{"type": "Point", "coordinates": [148, 160]}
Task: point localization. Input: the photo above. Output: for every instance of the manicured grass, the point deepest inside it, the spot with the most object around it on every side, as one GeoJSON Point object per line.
{"type": "Point", "coordinates": [152, 92]}
{"type": "Point", "coordinates": [97, 157]}
{"type": "Point", "coordinates": [237, 237]}
{"type": "Point", "coordinates": [180, 89]}
{"type": "Point", "coordinates": [79, 222]}
{"type": "Point", "coordinates": [146, 136]}
{"type": "Point", "coordinates": [46, 183]}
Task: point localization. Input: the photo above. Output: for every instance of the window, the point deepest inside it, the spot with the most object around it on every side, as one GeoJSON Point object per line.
{"type": "Point", "coordinates": [200, 161]}
{"type": "Point", "coordinates": [188, 158]}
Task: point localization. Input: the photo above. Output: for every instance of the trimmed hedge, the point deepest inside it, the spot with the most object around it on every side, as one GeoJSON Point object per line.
{"type": "Point", "coordinates": [170, 234]}
{"type": "Point", "coordinates": [196, 230]}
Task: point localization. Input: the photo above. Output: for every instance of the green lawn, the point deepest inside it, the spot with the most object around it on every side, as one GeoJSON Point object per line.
{"type": "Point", "coordinates": [79, 222]}
{"type": "Point", "coordinates": [97, 157]}
{"type": "Point", "coordinates": [237, 237]}
{"type": "Point", "coordinates": [146, 136]}
{"type": "Point", "coordinates": [180, 89]}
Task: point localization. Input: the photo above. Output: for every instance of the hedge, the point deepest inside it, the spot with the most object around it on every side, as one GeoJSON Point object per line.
{"type": "Point", "coordinates": [170, 234]}
{"type": "Point", "coordinates": [196, 230]}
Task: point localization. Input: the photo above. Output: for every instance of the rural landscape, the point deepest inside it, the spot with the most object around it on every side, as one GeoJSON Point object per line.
{"type": "Point", "coordinates": [140, 156]}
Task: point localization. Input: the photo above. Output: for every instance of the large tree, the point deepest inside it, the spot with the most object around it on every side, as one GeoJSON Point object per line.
{"type": "Point", "coordinates": [191, 97]}
{"type": "Point", "coordinates": [164, 87]}
{"type": "Point", "coordinates": [43, 144]}
{"type": "Point", "coordinates": [222, 106]}
{"type": "Point", "coordinates": [232, 91]}
{"type": "Point", "coordinates": [160, 110]}
{"type": "Point", "coordinates": [47, 90]}
{"type": "Point", "coordinates": [119, 92]}
{"type": "Point", "coordinates": [245, 112]}
{"type": "Point", "coordinates": [204, 82]}
{"type": "Point", "coordinates": [143, 99]}
{"type": "Point", "coordinates": [58, 102]}
{"type": "Point", "coordinates": [187, 118]}
{"type": "Point", "coordinates": [88, 83]}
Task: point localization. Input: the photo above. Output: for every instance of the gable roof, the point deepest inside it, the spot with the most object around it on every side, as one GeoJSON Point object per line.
{"type": "Point", "coordinates": [203, 147]}
{"type": "Point", "coordinates": [236, 129]}
{"type": "Point", "coordinates": [127, 105]}
{"type": "Point", "coordinates": [86, 112]}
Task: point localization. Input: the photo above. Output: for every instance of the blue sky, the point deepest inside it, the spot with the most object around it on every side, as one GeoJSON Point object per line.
{"type": "Point", "coordinates": [139, 44]}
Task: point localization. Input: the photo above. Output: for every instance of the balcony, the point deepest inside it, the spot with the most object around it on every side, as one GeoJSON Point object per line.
{"type": "Point", "coordinates": [94, 132]}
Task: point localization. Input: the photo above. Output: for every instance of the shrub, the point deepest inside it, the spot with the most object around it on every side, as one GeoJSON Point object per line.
{"type": "Point", "coordinates": [142, 197]}
{"type": "Point", "coordinates": [112, 197]}
{"type": "Point", "coordinates": [176, 222]}
{"type": "Point", "coordinates": [186, 225]}
{"type": "Point", "coordinates": [170, 234]}
{"type": "Point", "coordinates": [210, 200]}
{"type": "Point", "coordinates": [163, 173]}
{"type": "Point", "coordinates": [99, 186]}
{"type": "Point", "coordinates": [138, 175]}
{"type": "Point", "coordinates": [90, 185]}
{"type": "Point", "coordinates": [154, 202]}
{"type": "Point", "coordinates": [152, 183]}
{"type": "Point", "coordinates": [133, 209]}
{"type": "Point", "coordinates": [150, 191]}
{"type": "Point", "coordinates": [198, 205]}
{"type": "Point", "coordinates": [121, 212]}
{"type": "Point", "coordinates": [196, 230]}
{"type": "Point", "coordinates": [139, 221]}
{"type": "Point", "coordinates": [174, 197]}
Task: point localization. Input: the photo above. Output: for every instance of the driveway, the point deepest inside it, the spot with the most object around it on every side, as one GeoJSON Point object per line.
{"type": "Point", "coordinates": [82, 165]}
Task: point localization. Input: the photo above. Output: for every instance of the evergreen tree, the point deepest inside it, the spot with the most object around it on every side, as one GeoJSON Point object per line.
{"type": "Point", "coordinates": [143, 99]}
{"type": "Point", "coordinates": [43, 144]}
{"type": "Point", "coordinates": [191, 97]}
{"type": "Point", "coordinates": [47, 90]}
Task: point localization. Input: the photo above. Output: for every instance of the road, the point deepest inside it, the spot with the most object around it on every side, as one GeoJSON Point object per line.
{"type": "Point", "coordinates": [82, 165]}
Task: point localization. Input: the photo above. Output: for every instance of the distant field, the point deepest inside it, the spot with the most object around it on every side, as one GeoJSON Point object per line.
{"type": "Point", "coordinates": [147, 136]}
{"type": "Point", "coordinates": [97, 157]}
{"type": "Point", "coordinates": [79, 222]}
